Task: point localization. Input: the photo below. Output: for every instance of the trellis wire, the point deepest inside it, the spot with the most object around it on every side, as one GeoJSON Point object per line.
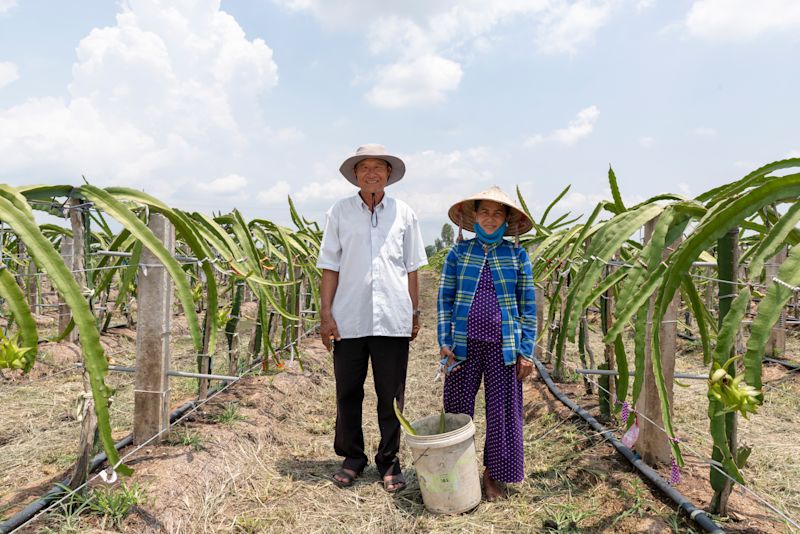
{"type": "Point", "coordinates": [199, 403]}
{"type": "Point", "coordinates": [709, 461]}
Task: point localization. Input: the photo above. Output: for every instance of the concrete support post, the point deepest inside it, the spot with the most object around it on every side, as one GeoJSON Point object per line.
{"type": "Point", "coordinates": [653, 444]}
{"type": "Point", "coordinates": [78, 263]}
{"type": "Point", "coordinates": [64, 313]}
{"type": "Point", "coordinates": [154, 297]}
{"type": "Point", "coordinates": [776, 346]}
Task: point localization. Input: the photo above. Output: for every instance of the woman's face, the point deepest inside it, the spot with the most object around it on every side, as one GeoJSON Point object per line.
{"type": "Point", "coordinates": [490, 215]}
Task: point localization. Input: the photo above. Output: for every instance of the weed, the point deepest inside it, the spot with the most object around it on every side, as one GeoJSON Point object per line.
{"type": "Point", "coordinates": [229, 415]}
{"type": "Point", "coordinates": [68, 518]}
{"type": "Point", "coordinates": [635, 502]}
{"type": "Point", "coordinates": [565, 517]}
{"type": "Point", "coordinates": [187, 438]}
{"type": "Point", "coordinates": [111, 503]}
{"type": "Point", "coordinates": [249, 525]}
{"type": "Point", "coordinates": [677, 526]}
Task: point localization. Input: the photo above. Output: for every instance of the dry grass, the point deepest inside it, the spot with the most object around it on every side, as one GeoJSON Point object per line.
{"type": "Point", "coordinates": [269, 472]}
{"type": "Point", "coordinates": [39, 428]}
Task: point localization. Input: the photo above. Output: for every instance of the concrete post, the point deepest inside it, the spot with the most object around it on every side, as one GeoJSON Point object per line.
{"type": "Point", "coordinates": [653, 444]}
{"type": "Point", "coordinates": [151, 396]}
{"type": "Point", "coordinates": [776, 346]}
{"type": "Point", "coordinates": [64, 313]}
{"type": "Point", "coordinates": [78, 263]}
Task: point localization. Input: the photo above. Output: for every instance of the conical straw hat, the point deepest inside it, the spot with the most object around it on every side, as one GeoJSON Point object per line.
{"type": "Point", "coordinates": [462, 213]}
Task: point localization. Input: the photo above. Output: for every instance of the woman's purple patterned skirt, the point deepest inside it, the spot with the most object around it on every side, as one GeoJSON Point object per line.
{"type": "Point", "coordinates": [503, 452]}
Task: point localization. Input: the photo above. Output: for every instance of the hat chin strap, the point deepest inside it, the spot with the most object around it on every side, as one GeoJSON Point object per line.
{"type": "Point", "coordinates": [460, 237]}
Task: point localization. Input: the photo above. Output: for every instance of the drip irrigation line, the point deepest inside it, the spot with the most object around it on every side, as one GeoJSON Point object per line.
{"type": "Point", "coordinates": [709, 461]}
{"type": "Point", "coordinates": [792, 366]}
{"type": "Point", "coordinates": [39, 507]}
{"type": "Point", "coordinates": [696, 514]}
{"type": "Point", "coordinates": [715, 465]}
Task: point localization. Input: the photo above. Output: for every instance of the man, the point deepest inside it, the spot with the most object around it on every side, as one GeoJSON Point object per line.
{"type": "Point", "coordinates": [370, 253]}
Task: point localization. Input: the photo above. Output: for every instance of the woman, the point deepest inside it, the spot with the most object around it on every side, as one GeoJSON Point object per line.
{"type": "Point", "coordinates": [487, 327]}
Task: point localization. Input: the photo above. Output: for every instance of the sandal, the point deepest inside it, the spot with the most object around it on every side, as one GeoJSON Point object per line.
{"type": "Point", "coordinates": [398, 481]}
{"type": "Point", "coordinates": [348, 478]}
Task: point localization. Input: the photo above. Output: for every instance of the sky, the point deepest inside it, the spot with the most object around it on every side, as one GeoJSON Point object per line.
{"type": "Point", "coordinates": [211, 105]}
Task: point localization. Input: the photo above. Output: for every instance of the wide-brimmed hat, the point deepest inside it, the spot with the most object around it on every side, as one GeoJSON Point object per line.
{"type": "Point", "coordinates": [462, 213]}
{"type": "Point", "coordinates": [348, 168]}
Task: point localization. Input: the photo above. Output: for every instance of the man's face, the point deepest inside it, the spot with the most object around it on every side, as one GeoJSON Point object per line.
{"type": "Point", "coordinates": [490, 215]}
{"type": "Point", "coordinates": [372, 175]}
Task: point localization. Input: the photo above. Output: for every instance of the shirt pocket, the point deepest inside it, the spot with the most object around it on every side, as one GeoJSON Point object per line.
{"type": "Point", "coordinates": [392, 249]}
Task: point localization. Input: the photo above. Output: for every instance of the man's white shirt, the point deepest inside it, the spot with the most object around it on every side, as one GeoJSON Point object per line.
{"type": "Point", "coordinates": [373, 263]}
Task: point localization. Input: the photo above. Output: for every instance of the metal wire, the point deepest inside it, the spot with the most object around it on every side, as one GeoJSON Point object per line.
{"type": "Point", "coordinates": [122, 459]}
{"type": "Point", "coordinates": [713, 463]}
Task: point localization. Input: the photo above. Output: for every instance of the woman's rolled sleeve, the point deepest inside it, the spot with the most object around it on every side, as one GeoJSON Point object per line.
{"type": "Point", "coordinates": [446, 300]}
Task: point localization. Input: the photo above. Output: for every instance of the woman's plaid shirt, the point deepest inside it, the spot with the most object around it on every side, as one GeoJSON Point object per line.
{"type": "Point", "coordinates": [513, 282]}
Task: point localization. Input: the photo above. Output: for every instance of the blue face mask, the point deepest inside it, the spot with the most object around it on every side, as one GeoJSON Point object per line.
{"type": "Point", "coordinates": [489, 239]}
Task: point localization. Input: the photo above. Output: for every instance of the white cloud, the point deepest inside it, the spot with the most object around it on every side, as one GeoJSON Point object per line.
{"type": "Point", "coordinates": [226, 185]}
{"type": "Point", "coordinates": [646, 141]}
{"type": "Point", "coordinates": [428, 41]}
{"type": "Point", "coordinates": [276, 194]}
{"type": "Point", "coordinates": [642, 5]}
{"type": "Point", "coordinates": [424, 80]}
{"type": "Point", "coordinates": [436, 180]}
{"type": "Point", "coordinates": [290, 134]}
{"type": "Point", "coordinates": [793, 154]}
{"type": "Point", "coordinates": [578, 128]}
{"type": "Point", "coordinates": [569, 27]}
{"type": "Point", "coordinates": [8, 73]}
{"type": "Point", "coordinates": [172, 85]}
{"type": "Point", "coordinates": [327, 190]}
{"type": "Point", "coordinates": [704, 131]}
{"type": "Point", "coordinates": [577, 202]}
{"type": "Point", "coordinates": [742, 20]}
{"type": "Point", "coordinates": [7, 5]}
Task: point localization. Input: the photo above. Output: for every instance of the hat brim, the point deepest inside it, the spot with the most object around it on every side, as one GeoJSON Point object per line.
{"type": "Point", "coordinates": [348, 168]}
{"type": "Point", "coordinates": [463, 214]}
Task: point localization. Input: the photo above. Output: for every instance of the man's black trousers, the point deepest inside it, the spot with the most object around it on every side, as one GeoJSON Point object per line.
{"type": "Point", "coordinates": [351, 357]}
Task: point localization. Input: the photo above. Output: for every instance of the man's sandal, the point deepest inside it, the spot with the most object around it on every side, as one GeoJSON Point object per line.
{"type": "Point", "coordinates": [348, 479]}
{"type": "Point", "coordinates": [398, 481]}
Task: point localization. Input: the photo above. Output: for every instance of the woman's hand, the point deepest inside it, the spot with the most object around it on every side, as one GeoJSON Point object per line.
{"type": "Point", "coordinates": [524, 368]}
{"type": "Point", "coordinates": [445, 352]}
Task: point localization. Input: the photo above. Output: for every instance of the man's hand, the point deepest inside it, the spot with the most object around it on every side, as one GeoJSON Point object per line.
{"type": "Point", "coordinates": [328, 331]}
{"type": "Point", "coordinates": [415, 327]}
{"type": "Point", "coordinates": [445, 352]}
{"type": "Point", "coordinates": [524, 368]}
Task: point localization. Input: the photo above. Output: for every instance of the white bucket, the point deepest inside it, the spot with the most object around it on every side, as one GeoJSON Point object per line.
{"type": "Point", "coordinates": [446, 466]}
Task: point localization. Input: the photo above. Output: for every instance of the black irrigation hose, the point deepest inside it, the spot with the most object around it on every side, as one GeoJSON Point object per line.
{"type": "Point", "coordinates": [25, 515]}
{"type": "Point", "coordinates": [789, 364]}
{"type": "Point", "coordinates": [696, 514]}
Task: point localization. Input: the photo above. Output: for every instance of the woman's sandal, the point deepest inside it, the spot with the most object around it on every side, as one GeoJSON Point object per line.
{"type": "Point", "coordinates": [398, 481]}
{"type": "Point", "coordinates": [348, 479]}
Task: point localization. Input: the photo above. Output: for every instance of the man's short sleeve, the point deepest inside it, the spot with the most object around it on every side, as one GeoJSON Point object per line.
{"type": "Point", "coordinates": [414, 255]}
{"type": "Point", "coordinates": [330, 251]}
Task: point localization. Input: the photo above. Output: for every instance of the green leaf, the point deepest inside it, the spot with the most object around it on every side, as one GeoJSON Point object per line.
{"type": "Point", "coordinates": [773, 241]}
{"type": "Point", "coordinates": [552, 204]}
{"type": "Point", "coordinates": [612, 182]}
{"type": "Point", "coordinates": [17, 304]}
{"type": "Point", "coordinates": [48, 259]}
{"type": "Point", "coordinates": [129, 220]}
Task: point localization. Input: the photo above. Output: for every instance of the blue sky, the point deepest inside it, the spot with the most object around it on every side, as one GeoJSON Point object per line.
{"type": "Point", "coordinates": [212, 105]}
